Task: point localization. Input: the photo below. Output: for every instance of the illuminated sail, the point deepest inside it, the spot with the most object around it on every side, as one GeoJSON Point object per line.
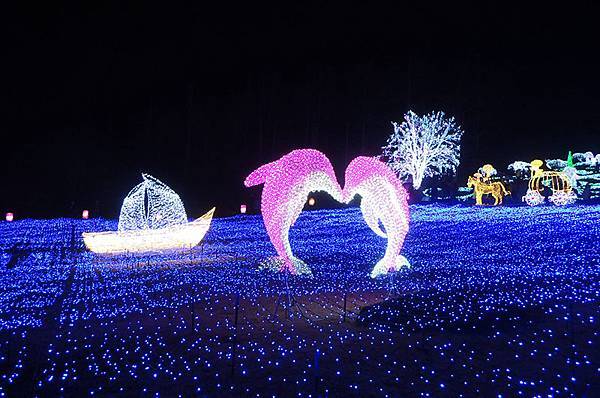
{"type": "Point", "coordinates": [151, 205]}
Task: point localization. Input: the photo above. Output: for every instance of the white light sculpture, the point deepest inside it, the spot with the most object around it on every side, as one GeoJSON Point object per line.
{"type": "Point", "coordinates": [424, 146]}
{"type": "Point", "coordinates": [152, 219]}
{"type": "Point", "coordinates": [571, 173]}
{"type": "Point", "coordinates": [289, 180]}
{"type": "Point", "coordinates": [151, 205]}
{"type": "Point", "coordinates": [9, 217]}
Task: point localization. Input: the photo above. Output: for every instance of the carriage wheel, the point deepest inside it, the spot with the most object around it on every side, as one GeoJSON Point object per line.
{"type": "Point", "coordinates": [533, 198]}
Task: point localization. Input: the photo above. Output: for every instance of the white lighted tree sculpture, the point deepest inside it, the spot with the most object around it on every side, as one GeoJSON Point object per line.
{"type": "Point", "coordinates": [423, 146]}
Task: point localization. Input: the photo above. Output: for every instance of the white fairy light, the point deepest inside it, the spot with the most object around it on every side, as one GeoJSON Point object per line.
{"type": "Point", "coordinates": [571, 173]}
{"type": "Point", "coordinates": [519, 167]}
{"type": "Point", "coordinates": [561, 198]}
{"type": "Point", "coordinates": [533, 198]}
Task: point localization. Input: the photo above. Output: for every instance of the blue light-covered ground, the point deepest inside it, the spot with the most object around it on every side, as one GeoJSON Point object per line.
{"type": "Point", "coordinates": [500, 302]}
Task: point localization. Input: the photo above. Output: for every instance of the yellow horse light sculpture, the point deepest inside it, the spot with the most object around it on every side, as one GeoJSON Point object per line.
{"type": "Point", "coordinates": [496, 189]}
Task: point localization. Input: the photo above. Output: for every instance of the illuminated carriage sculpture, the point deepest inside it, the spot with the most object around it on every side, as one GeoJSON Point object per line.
{"type": "Point", "coordinates": [557, 181]}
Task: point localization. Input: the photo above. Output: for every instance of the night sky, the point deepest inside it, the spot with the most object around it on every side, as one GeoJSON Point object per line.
{"type": "Point", "coordinates": [200, 97]}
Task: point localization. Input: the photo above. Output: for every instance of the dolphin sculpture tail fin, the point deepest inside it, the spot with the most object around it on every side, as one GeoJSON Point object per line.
{"type": "Point", "coordinates": [384, 266]}
{"type": "Point", "coordinates": [259, 176]}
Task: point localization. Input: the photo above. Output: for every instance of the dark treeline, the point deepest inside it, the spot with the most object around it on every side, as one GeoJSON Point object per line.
{"type": "Point", "coordinates": [201, 98]}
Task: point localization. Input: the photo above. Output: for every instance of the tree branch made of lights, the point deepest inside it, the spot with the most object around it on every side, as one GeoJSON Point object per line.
{"type": "Point", "coordinates": [289, 180]}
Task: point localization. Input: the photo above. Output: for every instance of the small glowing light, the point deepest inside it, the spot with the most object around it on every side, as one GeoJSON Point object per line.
{"type": "Point", "coordinates": [311, 201]}
{"type": "Point", "coordinates": [9, 217]}
{"type": "Point", "coordinates": [85, 214]}
{"type": "Point", "coordinates": [243, 209]}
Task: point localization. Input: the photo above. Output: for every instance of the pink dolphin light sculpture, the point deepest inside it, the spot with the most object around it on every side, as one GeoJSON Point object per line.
{"type": "Point", "coordinates": [287, 183]}
{"type": "Point", "coordinates": [382, 198]}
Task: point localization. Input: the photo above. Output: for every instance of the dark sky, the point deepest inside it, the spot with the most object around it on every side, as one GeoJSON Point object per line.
{"type": "Point", "coordinates": [94, 95]}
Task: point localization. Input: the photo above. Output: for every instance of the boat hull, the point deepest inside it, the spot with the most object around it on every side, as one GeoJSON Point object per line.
{"type": "Point", "coordinates": [178, 237]}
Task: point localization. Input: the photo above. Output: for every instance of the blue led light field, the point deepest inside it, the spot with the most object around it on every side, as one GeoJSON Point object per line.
{"type": "Point", "coordinates": [499, 302]}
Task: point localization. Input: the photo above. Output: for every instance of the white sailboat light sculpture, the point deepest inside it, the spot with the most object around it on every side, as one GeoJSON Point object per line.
{"type": "Point", "coordinates": [152, 219]}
